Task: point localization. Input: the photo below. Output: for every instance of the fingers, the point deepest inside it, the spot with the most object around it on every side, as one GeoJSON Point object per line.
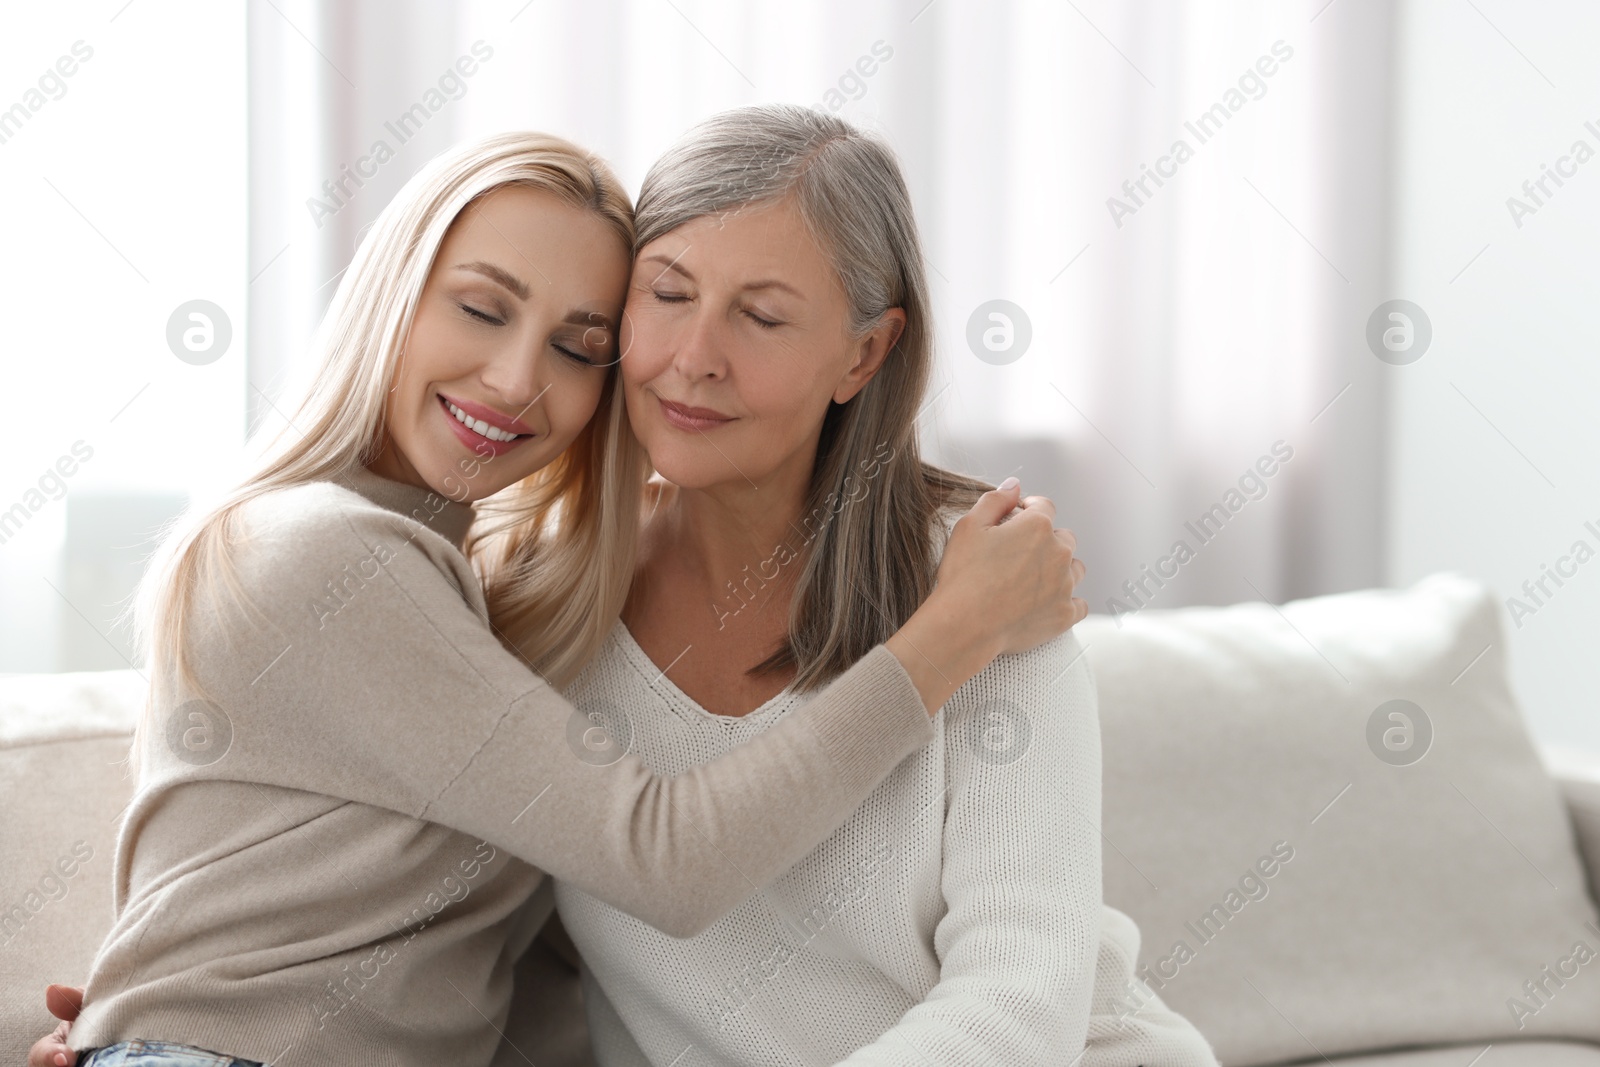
{"type": "Point", "coordinates": [52, 1051]}
{"type": "Point", "coordinates": [63, 1001]}
{"type": "Point", "coordinates": [996, 504]}
{"type": "Point", "coordinates": [1039, 505]}
{"type": "Point", "coordinates": [1076, 568]}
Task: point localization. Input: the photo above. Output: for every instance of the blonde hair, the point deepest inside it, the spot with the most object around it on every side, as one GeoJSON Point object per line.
{"type": "Point", "coordinates": [871, 559]}
{"type": "Point", "coordinates": [554, 551]}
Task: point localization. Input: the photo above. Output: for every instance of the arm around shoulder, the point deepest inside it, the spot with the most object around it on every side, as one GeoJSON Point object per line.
{"type": "Point", "coordinates": [367, 670]}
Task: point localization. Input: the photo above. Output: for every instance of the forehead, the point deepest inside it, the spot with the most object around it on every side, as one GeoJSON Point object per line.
{"type": "Point", "coordinates": [771, 238]}
{"type": "Point", "coordinates": [537, 236]}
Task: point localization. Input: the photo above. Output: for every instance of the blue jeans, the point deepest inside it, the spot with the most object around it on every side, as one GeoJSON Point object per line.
{"type": "Point", "coordinates": [157, 1054]}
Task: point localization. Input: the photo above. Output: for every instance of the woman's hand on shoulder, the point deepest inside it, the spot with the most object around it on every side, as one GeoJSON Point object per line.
{"type": "Point", "coordinates": [1005, 585]}
{"type": "Point", "coordinates": [1011, 572]}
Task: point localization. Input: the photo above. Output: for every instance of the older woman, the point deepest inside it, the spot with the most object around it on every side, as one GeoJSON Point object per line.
{"type": "Point", "coordinates": [779, 352]}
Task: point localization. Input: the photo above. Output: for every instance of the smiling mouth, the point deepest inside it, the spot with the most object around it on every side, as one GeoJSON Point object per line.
{"type": "Point", "coordinates": [480, 427]}
{"type": "Point", "coordinates": [688, 418]}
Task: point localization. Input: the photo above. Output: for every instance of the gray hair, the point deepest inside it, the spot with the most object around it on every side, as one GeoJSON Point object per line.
{"type": "Point", "coordinates": [870, 559]}
{"type": "Point", "coordinates": [846, 183]}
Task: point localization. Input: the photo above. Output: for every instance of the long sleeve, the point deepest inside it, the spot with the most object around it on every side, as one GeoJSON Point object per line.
{"type": "Point", "coordinates": [1033, 968]}
{"type": "Point", "coordinates": [366, 670]}
{"type": "Point", "coordinates": [1017, 946]}
{"type": "Point", "coordinates": [1129, 1024]}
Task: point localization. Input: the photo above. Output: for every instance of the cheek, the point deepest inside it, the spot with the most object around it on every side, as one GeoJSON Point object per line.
{"type": "Point", "coordinates": [579, 401]}
{"type": "Point", "coordinates": [787, 388]}
{"type": "Point", "coordinates": [436, 350]}
{"type": "Point", "coordinates": [646, 350]}
{"type": "Point", "coordinates": [402, 401]}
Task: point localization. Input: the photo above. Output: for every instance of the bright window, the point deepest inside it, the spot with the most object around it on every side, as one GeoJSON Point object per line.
{"type": "Point", "coordinates": [122, 168]}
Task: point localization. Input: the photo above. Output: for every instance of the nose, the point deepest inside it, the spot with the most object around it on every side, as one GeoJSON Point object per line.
{"type": "Point", "coordinates": [516, 374]}
{"type": "Point", "coordinates": [701, 350]}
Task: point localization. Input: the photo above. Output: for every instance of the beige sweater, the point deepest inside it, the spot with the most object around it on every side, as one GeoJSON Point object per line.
{"type": "Point", "coordinates": [326, 863]}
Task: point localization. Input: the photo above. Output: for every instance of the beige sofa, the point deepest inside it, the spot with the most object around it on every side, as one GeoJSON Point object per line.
{"type": "Point", "coordinates": [1430, 870]}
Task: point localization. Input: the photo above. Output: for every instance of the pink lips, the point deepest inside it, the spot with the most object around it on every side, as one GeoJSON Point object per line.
{"type": "Point", "coordinates": [687, 418]}
{"type": "Point", "coordinates": [475, 442]}
{"type": "Point", "coordinates": [489, 415]}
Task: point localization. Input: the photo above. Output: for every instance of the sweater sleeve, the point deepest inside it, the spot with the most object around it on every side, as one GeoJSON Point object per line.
{"type": "Point", "coordinates": [1017, 945]}
{"type": "Point", "coordinates": [1129, 1024]}
{"type": "Point", "coordinates": [360, 664]}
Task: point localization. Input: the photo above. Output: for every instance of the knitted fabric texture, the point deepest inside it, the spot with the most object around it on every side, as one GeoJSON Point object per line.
{"type": "Point", "coordinates": [327, 858]}
{"type": "Point", "coordinates": [955, 918]}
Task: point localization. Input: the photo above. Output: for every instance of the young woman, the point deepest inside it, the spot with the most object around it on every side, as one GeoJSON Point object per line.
{"type": "Point", "coordinates": [778, 340]}
{"type": "Point", "coordinates": [349, 778]}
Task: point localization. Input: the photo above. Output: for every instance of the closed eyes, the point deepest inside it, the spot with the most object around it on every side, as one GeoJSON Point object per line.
{"type": "Point", "coordinates": [680, 298]}
{"type": "Point", "coordinates": [487, 319]}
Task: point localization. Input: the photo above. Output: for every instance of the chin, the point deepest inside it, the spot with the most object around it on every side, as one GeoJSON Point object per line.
{"type": "Point", "coordinates": [692, 475]}
{"type": "Point", "coordinates": [456, 474]}
{"type": "Point", "coordinates": [687, 468]}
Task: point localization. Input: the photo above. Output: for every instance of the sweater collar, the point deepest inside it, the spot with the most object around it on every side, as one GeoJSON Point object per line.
{"type": "Point", "coordinates": [445, 517]}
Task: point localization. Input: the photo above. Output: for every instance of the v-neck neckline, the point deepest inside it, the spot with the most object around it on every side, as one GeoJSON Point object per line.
{"type": "Point", "coordinates": [641, 661]}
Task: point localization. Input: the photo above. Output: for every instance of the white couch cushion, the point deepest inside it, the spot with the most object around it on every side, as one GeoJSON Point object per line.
{"type": "Point", "coordinates": [1506, 1054]}
{"type": "Point", "coordinates": [63, 738]}
{"type": "Point", "coordinates": [1407, 902]}
{"type": "Point", "coordinates": [1578, 775]}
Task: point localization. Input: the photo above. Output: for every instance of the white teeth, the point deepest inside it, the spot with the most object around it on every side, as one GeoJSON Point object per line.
{"type": "Point", "coordinates": [478, 426]}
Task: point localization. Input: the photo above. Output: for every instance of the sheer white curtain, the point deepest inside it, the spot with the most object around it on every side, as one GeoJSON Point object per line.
{"type": "Point", "coordinates": [123, 175]}
{"type": "Point", "coordinates": [1178, 332]}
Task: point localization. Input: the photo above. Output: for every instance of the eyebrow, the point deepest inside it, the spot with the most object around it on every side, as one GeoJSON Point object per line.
{"type": "Point", "coordinates": [497, 274]}
{"type": "Point", "coordinates": [678, 268]}
{"type": "Point", "coordinates": [576, 317]}
{"type": "Point", "coordinates": [580, 317]}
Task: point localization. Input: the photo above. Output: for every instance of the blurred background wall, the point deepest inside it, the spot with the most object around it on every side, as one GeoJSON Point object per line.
{"type": "Point", "coordinates": [1196, 218]}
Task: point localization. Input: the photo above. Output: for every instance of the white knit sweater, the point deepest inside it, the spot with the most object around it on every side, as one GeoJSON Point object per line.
{"type": "Point", "coordinates": [954, 919]}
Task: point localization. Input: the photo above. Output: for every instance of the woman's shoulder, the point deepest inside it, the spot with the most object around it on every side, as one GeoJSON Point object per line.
{"type": "Point", "coordinates": [1058, 655]}
{"type": "Point", "coordinates": [302, 506]}
{"type": "Point", "coordinates": [1059, 660]}
{"type": "Point", "coordinates": [1043, 701]}
{"type": "Point", "coordinates": [287, 533]}
{"type": "Point", "coordinates": [297, 555]}
{"type": "Point", "coordinates": [1045, 678]}
{"type": "Point", "coordinates": [309, 516]}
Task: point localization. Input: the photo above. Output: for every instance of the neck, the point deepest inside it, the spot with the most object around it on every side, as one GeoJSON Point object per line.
{"type": "Point", "coordinates": [721, 530]}
{"type": "Point", "coordinates": [392, 464]}
{"type": "Point", "coordinates": [718, 568]}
